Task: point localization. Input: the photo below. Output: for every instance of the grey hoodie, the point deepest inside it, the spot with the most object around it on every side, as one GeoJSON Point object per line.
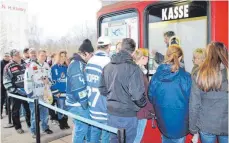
{"type": "Point", "coordinates": [123, 83]}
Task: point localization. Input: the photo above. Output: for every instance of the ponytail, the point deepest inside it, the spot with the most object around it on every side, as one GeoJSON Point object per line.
{"type": "Point", "coordinates": [173, 54]}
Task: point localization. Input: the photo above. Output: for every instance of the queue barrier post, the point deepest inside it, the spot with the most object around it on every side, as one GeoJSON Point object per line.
{"type": "Point", "coordinates": [37, 120]}
{"type": "Point", "coordinates": [121, 136]}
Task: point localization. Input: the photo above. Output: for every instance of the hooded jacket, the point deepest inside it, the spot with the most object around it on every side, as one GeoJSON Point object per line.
{"type": "Point", "coordinates": [208, 111]}
{"type": "Point", "coordinates": [123, 84]}
{"type": "Point", "coordinates": [169, 93]}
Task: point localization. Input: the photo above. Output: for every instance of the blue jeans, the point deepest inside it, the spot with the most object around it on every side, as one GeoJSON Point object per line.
{"type": "Point", "coordinates": [210, 138]}
{"type": "Point", "coordinates": [44, 117]}
{"type": "Point", "coordinates": [80, 129]}
{"type": "Point", "coordinates": [140, 130]}
{"type": "Point", "coordinates": [97, 134]}
{"type": "Point", "coordinates": [128, 123]}
{"type": "Point", "coordinates": [168, 140]}
{"type": "Point", "coordinates": [61, 105]}
{"type": "Point", "coordinates": [22, 111]}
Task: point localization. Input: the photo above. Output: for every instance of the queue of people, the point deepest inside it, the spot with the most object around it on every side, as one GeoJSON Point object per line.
{"type": "Point", "coordinates": [113, 89]}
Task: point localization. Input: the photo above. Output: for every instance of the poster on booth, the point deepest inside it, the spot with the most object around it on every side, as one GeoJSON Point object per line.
{"type": "Point", "coordinates": [119, 27]}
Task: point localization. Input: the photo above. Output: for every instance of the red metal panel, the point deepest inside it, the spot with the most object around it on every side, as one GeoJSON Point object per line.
{"type": "Point", "coordinates": [219, 21]}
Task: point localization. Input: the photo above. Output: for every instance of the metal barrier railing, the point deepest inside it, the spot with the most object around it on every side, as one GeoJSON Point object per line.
{"type": "Point", "coordinates": [119, 132]}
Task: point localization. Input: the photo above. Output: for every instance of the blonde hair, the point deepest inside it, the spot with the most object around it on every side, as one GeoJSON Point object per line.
{"type": "Point", "coordinates": [199, 51]}
{"type": "Point", "coordinates": [139, 53]}
{"type": "Point", "coordinates": [174, 52]}
{"type": "Point", "coordinates": [209, 76]}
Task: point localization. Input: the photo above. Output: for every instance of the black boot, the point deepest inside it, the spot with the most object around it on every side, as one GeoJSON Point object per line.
{"type": "Point", "coordinates": [66, 126]}
{"type": "Point", "coordinates": [61, 123]}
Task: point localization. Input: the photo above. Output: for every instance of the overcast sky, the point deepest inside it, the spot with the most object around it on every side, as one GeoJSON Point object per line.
{"type": "Point", "coordinates": [57, 17]}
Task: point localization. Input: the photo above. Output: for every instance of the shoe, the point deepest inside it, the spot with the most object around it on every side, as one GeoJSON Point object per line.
{"type": "Point", "coordinates": [20, 131]}
{"type": "Point", "coordinates": [34, 135]}
{"type": "Point", "coordinates": [48, 131]}
{"type": "Point", "coordinates": [54, 122]}
{"type": "Point", "coordinates": [61, 124]}
{"type": "Point", "coordinates": [66, 126]}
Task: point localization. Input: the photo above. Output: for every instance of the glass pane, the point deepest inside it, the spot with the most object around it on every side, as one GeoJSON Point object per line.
{"type": "Point", "coordinates": [189, 23]}
{"type": "Point", "coordinates": [120, 26]}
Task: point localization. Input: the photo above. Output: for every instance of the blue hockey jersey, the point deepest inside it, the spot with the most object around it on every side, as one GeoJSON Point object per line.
{"type": "Point", "coordinates": [76, 90]}
{"type": "Point", "coordinates": [59, 78]}
{"type": "Point", "coordinates": [97, 102]}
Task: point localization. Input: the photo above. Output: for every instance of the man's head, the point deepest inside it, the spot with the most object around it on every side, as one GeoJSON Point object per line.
{"type": "Point", "coordinates": [167, 36]}
{"type": "Point", "coordinates": [104, 43]}
{"type": "Point", "coordinates": [128, 45]}
{"type": "Point", "coordinates": [6, 57]}
{"type": "Point", "coordinates": [32, 54]}
{"type": "Point", "coordinates": [41, 56]}
{"type": "Point", "coordinates": [26, 53]}
{"type": "Point", "coordinates": [86, 50]}
{"type": "Point", "coordinates": [15, 55]}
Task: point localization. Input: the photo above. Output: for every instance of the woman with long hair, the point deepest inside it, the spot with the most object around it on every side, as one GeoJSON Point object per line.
{"type": "Point", "coordinates": [141, 57]}
{"type": "Point", "coordinates": [59, 70]}
{"type": "Point", "coordinates": [169, 93]}
{"type": "Point", "coordinates": [208, 107]}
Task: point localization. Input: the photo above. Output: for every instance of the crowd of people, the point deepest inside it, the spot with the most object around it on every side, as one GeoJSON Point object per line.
{"type": "Point", "coordinates": [114, 89]}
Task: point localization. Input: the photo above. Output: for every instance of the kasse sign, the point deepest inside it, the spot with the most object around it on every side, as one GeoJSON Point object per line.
{"type": "Point", "coordinates": [177, 12]}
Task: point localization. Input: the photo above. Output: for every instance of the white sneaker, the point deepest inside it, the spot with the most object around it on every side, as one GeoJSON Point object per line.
{"type": "Point", "coordinates": [54, 122]}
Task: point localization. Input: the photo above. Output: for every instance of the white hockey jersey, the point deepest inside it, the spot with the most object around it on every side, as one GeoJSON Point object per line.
{"type": "Point", "coordinates": [33, 83]}
{"type": "Point", "coordinates": [97, 102]}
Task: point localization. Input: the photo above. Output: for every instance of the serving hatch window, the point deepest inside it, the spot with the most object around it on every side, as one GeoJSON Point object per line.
{"type": "Point", "coordinates": [119, 26]}
{"type": "Point", "coordinates": [188, 20]}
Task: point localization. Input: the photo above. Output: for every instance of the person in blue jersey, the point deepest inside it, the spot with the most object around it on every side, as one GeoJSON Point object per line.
{"type": "Point", "coordinates": [59, 71]}
{"type": "Point", "coordinates": [169, 92]}
{"type": "Point", "coordinates": [97, 102]}
{"type": "Point", "coordinates": [76, 90]}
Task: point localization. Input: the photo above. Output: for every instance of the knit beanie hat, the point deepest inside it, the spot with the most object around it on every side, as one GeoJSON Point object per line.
{"type": "Point", "coordinates": [86, 46]}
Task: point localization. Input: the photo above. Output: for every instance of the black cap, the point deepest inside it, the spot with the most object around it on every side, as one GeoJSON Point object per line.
{"type": "Point", "coordinates": [13, 52]}
{"type": "Point", "coordinates": [86, 46]}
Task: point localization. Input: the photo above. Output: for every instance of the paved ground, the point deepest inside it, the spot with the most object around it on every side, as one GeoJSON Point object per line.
{"type": "Point", "coordinates": [9, 135]}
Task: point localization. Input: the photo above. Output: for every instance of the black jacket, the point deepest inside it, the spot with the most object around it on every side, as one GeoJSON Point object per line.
{"type": "Point", "coordinates": [13, 78]}
{"type": "Point", "coordinates": [3, 64]}
{"type": "Point", "coordinates": [208, 111]}
{"type": "Point", "coordinates": [123, 83]}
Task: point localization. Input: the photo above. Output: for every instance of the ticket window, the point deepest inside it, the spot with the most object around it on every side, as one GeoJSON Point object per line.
{"type": "Point", "coordinates": [188, 20]}
{"type": "Point", "coordinates": [120, 25]}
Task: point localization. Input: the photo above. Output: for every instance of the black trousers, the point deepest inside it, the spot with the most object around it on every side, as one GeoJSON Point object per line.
{"type": "Point", "coordinates": [16, 103]}
{"type": "Point", "coordinates": [3, 97]}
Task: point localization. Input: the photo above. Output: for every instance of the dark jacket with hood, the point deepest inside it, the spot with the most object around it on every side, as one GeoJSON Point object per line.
{"type": "Point", "coordinates": [169, 93]}
{"type": "Point", "coordinates": [208, 111]}
{"type": "Point", "coordinates": [123, 84]}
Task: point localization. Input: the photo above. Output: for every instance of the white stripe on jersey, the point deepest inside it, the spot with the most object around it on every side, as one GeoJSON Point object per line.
{"type": "Point", "coordinates": [95, 69]}
{"type": "Point", "coordinates": [98, 113]}
{"type": "Point", "coordinates": [98, 118]}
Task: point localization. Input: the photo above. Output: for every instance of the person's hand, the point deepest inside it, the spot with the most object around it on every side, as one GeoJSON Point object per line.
{"type": "Point", "coordinates": [58, 95]}
{"type": "Point", "coordinates": [45, 80]}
